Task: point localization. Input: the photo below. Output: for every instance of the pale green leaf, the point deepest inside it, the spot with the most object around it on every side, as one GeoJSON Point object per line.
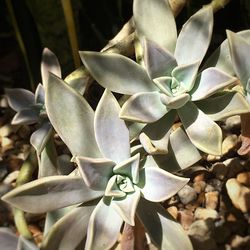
{"type": "Point", "coordinates": [24, 244]}
{"type": "Point", "coordinates": [26, 116]}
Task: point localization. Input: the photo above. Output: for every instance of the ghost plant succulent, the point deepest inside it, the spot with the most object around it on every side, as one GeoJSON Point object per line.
{"type": "Point", "coordinates": [169, 82]}
{"type": "Point", "coordinates": [115, 185]}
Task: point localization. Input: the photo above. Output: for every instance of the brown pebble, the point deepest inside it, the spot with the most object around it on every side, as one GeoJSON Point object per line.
{"type": "Point", "coordinates": [186, 218]}
{"type": "Point", "coordinates": [212, 199]}
{"type": "Point", "coordinates": [244, 178]}
{"type": "Point", "coordinates": [219, 170]}
{"type": "Point", "coordinates": [199, 186]}
{"type": "Point", "coordinates": [240, 242]}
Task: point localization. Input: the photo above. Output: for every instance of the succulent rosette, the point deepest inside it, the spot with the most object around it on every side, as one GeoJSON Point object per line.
{"type": "Point", "coordinates": [114, 186]}
{"type": "Point", "coordinates": [169, 83]}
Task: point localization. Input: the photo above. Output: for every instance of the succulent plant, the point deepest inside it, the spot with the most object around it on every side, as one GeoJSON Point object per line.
{"type": "Point", "coordinates": [168, 82]}
{"type": "Point", "coordinates": [112, 181]}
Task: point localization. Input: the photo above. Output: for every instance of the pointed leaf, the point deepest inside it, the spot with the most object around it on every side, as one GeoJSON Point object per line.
{"type": "Point", "coordinates": [8, 240]}
{"type": "Point", "coordinates": [70, 230]}
{"type": "Point", "coordinates": [40, 137]}
{"type": "Point", "coordinates": [223, 106]}
{"type": "Point", "coordinates": [112, 188]}
{"type": "Point", "coordinates": [19, 99]}
{"type": "Point", "coordinates": [72, 117]}
{"type": "Point", "coordinates": [26, 116]}
{"type": "Point", "coordinates": [240, 53]}
{"type": "Point", "coordinates": [101, 233]}
{"type": "Point", "coordinates": [210, 81]}
{"type": "Point", "coordinates": [155, 21]}
{"type": "Point", "coordinates": [50, 193]}
{"type": "Point", "coordinates": [111, 133]}
{"type": "Point", "coordinates": [175, 102]}
{"type": "Point", "coordinates": [126, 206]}
{"type": "Point", "coordinates": [143, 107]}
{"type": "Point", "coordinates": [158, 61]}
{"type": "Point", "coordinates": [163, 230]}
{"type": "Point", "coordinates": [158, 185]}
{"type": "Point", "coordinates": [129, 168]}
{"type": "Point", "coordinates": [186, 75]}
{"type": "Point", "coordinates": [95, 172]}
{"type": "Point", "coordinates": [24, 244]}
{"type": "Point", "coordinates": [117, 73]}
{"type": "Point", "coordinates": [164, 84]}
{"type": "Point", "coordinates": [194, 38]}
{"type": "Point", "coordinates": [39, 94]}
{"type": "Point", "coordinates": [49, 65]}
{"type": "Point", "coordinates": [204, 133]}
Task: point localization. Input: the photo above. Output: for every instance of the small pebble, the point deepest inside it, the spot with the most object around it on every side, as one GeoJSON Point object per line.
{"type": "Point", "coordinates": [7, 129]}
{"type": "Point", "coordinates": [229, 143]}
{"type": "Point", "coordinates": [199, 186]}
{"type": "Point", "coordinates": [173, 211]}
{"type": "Point", "coordinates": [239, 242]}
{"type": "Point", "coordinates": [213, 158]}
{"type": "Point", "coordinates": [212, 199]}
{"type": "Point", "coordinates": [235, 166]}
{"type": "Point", "coordinates": [6, 144]}
{"type": "Point", "coordinates": [213, 185]}
{"type": "Point", "coordinates": [186, 218]}
{"type": "Point", "coordinates": [219, 170]}
{"type": "Point", "coordinates": [232, 123]}
{"type": "Point", "coordinates": [187, 194]}
{"type": "Point", "coordinates": [239, 195]}
{"type": "Point", "coordinates": [203, 228]}
{"type": "Point", "coordinates": [205, 213]}
{"type": "Point", "coordinates": [244, 178]}
{"type": "Point", "coordinates": [11, 177]}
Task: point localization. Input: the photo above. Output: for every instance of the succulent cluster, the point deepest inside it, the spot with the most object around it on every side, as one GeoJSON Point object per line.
{"type": "Point", "coordinates": [127, 154]}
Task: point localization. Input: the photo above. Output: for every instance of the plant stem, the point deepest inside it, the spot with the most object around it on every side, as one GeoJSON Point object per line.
{"type": "Point", "coordinates": [25, 175]}
{"type": "Point", "coordinates": [218, 4]}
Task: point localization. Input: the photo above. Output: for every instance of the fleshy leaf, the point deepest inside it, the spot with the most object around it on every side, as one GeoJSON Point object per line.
{"type": "Point", "coordinates": [112, 188]}
{"type": "Point", "coordinates": [24, 244]}
{"type": "Point", "coordinates": [72, 117]}
{"type": "Point", "coordinates": [26, 116]}
{"type": "Point", "coordinates": [223, 106]}
{"type": "Point", "coordinates": [40, 137]}
{"type": "Point", "coordinates": [19, 99]}
{"type": "Point", "coordinates": [39, 94]}
{"type": "Point", "coordinates": [155, 21]}
{"type": "Point", "coordinates": [95, 172]}
{"type": "Point", "coordinates": [158, 185]}
{"type": "Point", "coordinates": [164, 84]}
{"type": "Point", "coordinates": [209, 82]}
{"type": "Point", "coordinates": [186, 74]}
{"type": "Point", "coordinates": [194, 38]}
{"type": "Point", "coordinates": [221, 58]}
{"type": "Point", "coordinates": [204, 133]}
{"type": "Point", "coordinates": [70, 230]}
{"type": "Point", "coordinates": [8, 240]}
{"type": "Point", "coordinates": [111, 133]}
{"type": "Point", "coordinates": [102, 234]}
{"type": "Point", "coordinates": [50, 193]}
{"type": "Point", "coordinates": [143, 107]}
{"type": "Point", "coordinates": [126, 206]}
{"type": "Point", "coordinates": [117, 73]}
{"type": "Point", "coordinates": [175, 102]}
{"type": "Point", "coordinates": [158, 61]}
{"type": "Point", "coordinates": [163, 230]}
{"type": "Point", "coordinates": [240, 53]}
{"type": "Point", "coordinates": [130, 168]}
{"type": "Point", "coordinates": [155, 136]}
{"type": "Point", "coordinates": [49, 65]}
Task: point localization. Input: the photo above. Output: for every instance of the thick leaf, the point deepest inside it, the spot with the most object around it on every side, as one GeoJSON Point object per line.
{"type": "Point", "coordinates": [155, 21]}
{"type": "Point", "coordinates": [95, 172]}
{"type": "Point", "coordinates": [143, 107]}
{"type": "Point", "coordinates": [223, 106]}
{"type": "Point", "coordinates": [49, 65]}
{"type": "Point", "coordinates": [40, 137]}
{"type": "Point", "coordinates": [129, 168]}
{"type": "Point", "coordinates": [184, 152]}
{"type": "Point", "coordinates": [117, 73]}
{"type": "Point", "coordinates": [210, 81]}
{"type": "Point", "coordinates": [111, 132]}
{"type": "Point", "coordinates": [164, 84]}
{"type": "Point", "coordinates": [78, 79]}
{"type": "Point", "coordinates": [50, 193]}
{"type": "Point", "coordinates": [158, 185]}
{"type": "Point", "coordinates": [163, 230]}
{"type": "Point", "coordinates": [126, 206]}
{"type": "Point", "coordinates": [204, 133]}
{"type": "Point", "coordinates": [194, 38]}
{"type": "Point", "coordinates": [175, 102]}
{"type": "Point", "coordinates": [19, 99]}
{"type": "Point", "coordinates": [240, 53]}
{"type": "Point", "coordinates": [186, 75]}
{"type": "Point", "coordinates": [40, 94]}
{"type": "Point", "coordinates": [158, 61]}
{"type": "Point", "coordinates": [155, 136]}
{"type": "Point", "coordinates": [26, 116]}
{"type": "Point", "coordinates": [24, 244]}
{"type": "Point", "coordinates": [70, 230]}
{"type": "Point", "coordinates": [221, 58]}
{"type": "Point", "coordinates": [72, 117]}
{"type": "Point", "coordinates": [104, 227]}
{"type": "Point", "coordinates": [8, 240]}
